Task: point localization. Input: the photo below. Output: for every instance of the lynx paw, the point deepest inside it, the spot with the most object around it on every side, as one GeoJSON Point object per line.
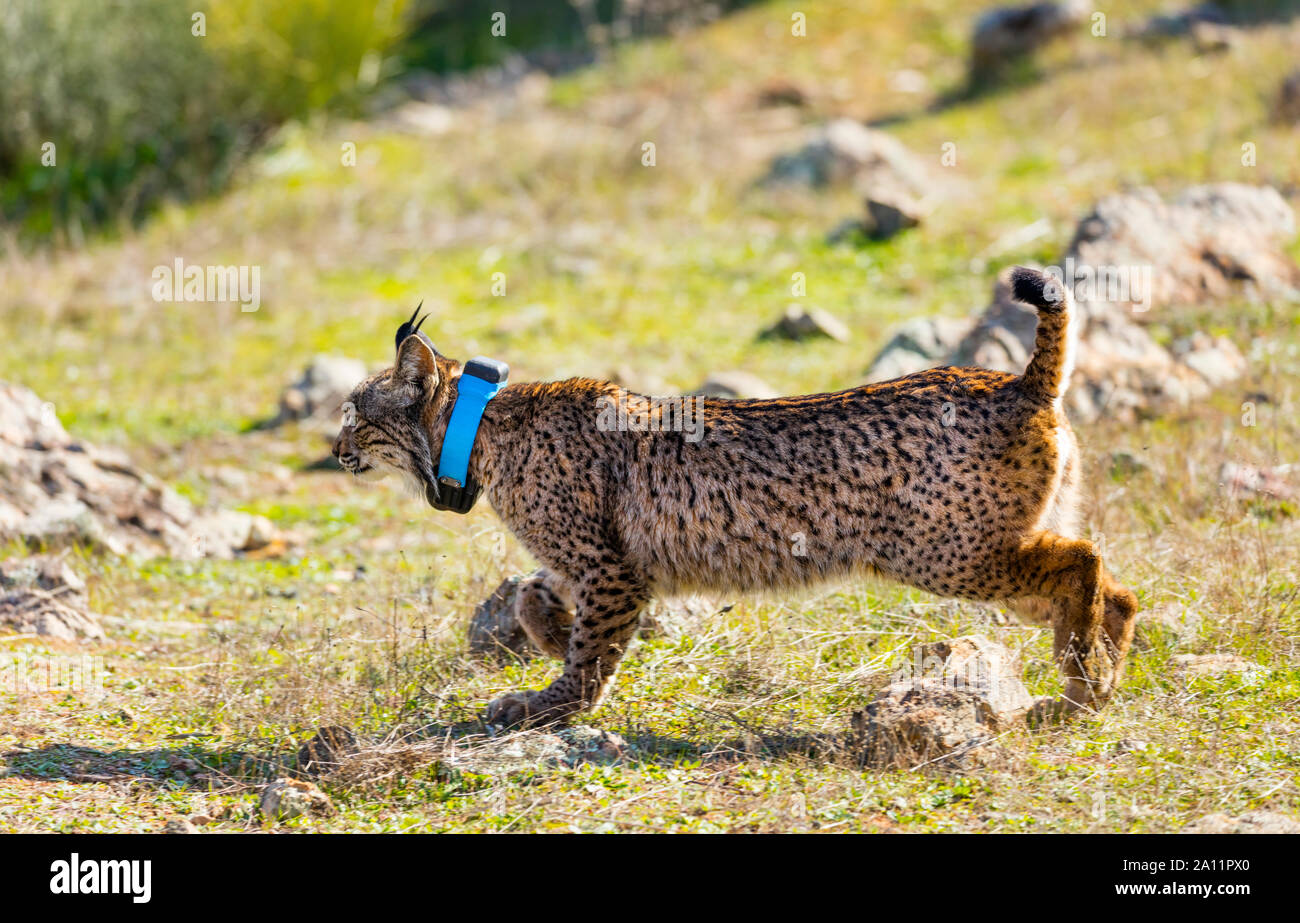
{"type": "Point", "coordinates": [525, 709]}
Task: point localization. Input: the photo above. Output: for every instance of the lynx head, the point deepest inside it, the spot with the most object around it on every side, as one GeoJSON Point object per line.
{"type": "Point", "coordinates": [388, 419]}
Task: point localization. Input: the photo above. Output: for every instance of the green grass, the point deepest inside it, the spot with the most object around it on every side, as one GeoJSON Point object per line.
{"type": "Point", "coordinates": [663, 275]}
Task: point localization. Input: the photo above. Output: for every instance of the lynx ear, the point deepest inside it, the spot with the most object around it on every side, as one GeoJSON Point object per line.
{"type": "Point", "coordinates": [416, 366]}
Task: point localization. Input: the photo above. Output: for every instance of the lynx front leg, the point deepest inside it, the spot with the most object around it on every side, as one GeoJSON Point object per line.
{"type": "Point", "coordinates": [608, 610]}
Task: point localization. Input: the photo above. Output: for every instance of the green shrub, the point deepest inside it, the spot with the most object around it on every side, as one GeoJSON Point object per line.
{"type": "Point", "coordinates": [137, 106]}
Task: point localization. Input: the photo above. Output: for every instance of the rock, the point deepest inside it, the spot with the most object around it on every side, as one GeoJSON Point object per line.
{"type": "Point", "coordinates": [891, 210]}
{"type": "Point", "coordinates": [919, 344]}
{"type": "Point", "coordinates": [1004, 34]}
{"type": "Point", "coordinates": [1287, 107]}
{"type": "Point", "coordinates": [321, 390]}
{"type": "Point", "coordinates": [592, 745]}
{"type": "Point", "coordinates": [327, 748]}
{"type": "Point", "coordinates": [56, 491]}
{"type": "Point", "coordinates": [946, 706]}
{"type": "Point", "coordinates": [288, 798]}
{"type": "Point", "coordinates": [1239, 481]}
{"type": "Point", "coordinates": [736, 385]}
{"type": "Point", "coordinates": [41, 595]}
{"type": "Point", "coordinates": [1181, 23]}
{"type": "Point", "coordinates": [781, 92]}
{"type": "Point", "coordinates": [799, 323]}
{"type": "Point", "coordinates": [1250, 822]}
{"type": "Point", "coordinates": [1213, 37]}
{"type": "Point", "coordinates": [844, 151]}
{"type": "Point", "coordinates": [494, 629]}
{"type": "Point", "coordinates": [1132, 257]}
{"type": "Point", "coordinates": [1215, 359]}
{"type": "Point", "coordinates": [179, 825]}
{"type": "Point", "coordinates": [1205, 244]}
{"type": "Point", "coordinates": [1215, 665]}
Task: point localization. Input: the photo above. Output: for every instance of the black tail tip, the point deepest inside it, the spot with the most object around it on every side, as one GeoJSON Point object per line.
{"type": "Point", "coordinates": [1038, 289]}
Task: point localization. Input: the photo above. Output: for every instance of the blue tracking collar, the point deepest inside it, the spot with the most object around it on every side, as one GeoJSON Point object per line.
{"type": "Point", "coordinates": [480, 381]}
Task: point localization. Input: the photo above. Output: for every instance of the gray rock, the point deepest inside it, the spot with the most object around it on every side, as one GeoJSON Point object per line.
{"type": "Point", "coordinates": [1180, 23]}
{"type": "Point", "coordinates": [891, 210]}
{"type": "Point", "coordinates": [800, 323]}
{"type": "Point", "coordinates": [1201, 246]}
{"type": "Point", "coordinates": [1250, 822]}
{"type": "Point", "coordinates": [57, 491]}
{"type": "Point", "coordinates": [1004, 34]}
{"type": "Point", "coordinates": [847, 152]}
{"type": "Point", "coordinates": [919, 344]}
{"type": "Point", "coordinates": [1245, 481]}
{"type": "Point", "coordinates": [321, 389]}
{"type": "Point", "coordinates": [41, 595]}
{"type": "Point", "coordinates": [587, 744]}
{"type": "Point", "coordinates": [288, 798]}
{"type": "Point", "coordinates": [736, 384]}
{"type": "Point", "coordinates": [945, 707]}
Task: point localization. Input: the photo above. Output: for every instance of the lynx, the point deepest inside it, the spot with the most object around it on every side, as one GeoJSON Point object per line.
{"type": "Point", "coordinates": [962, 482]}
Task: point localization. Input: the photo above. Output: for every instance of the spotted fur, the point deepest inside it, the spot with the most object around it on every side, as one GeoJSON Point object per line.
{"type": "Point", "coordinates": [963, 482]}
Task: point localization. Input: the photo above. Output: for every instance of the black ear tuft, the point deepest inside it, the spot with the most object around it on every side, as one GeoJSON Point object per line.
{"type": "Point", "coordinates": [412, 328]}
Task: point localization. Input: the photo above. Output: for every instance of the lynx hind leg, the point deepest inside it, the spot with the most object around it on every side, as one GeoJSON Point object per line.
{"type": "Point", "coordinates": [1118, 621]}
{"type": "Point", "coordinates": [544, 609]}
{"type": "Point", "coordinates": [1067, 572]}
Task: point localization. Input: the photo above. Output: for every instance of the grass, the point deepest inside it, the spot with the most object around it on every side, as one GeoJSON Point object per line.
{"type": "Point", "coordinates": [661, 275]}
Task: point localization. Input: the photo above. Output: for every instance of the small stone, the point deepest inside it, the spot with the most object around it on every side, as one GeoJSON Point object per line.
{"type": "Point", "coordinates": [736, 385]}
{"type": "Point", "coordinates": [1254, 480]}
{"type": "Point", "coordinates": [179, 825]}
{"type": "Point", "coordinates": [284, 799]}
{"type": "Point", "coordinates": [919, 344]}
{"type": "Point", "coordinates": [320, 390]}
{"type": "Point", "coordinates": [1213, 37]}
{"type": "Point", "coordinates": [890, 211]}
{"type": "Point", "coordinates": [1004, 34]}
{"type": "Point", "coordinates": [799, 323]}
{"type": "Point", "coordinates": [592, 745]}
